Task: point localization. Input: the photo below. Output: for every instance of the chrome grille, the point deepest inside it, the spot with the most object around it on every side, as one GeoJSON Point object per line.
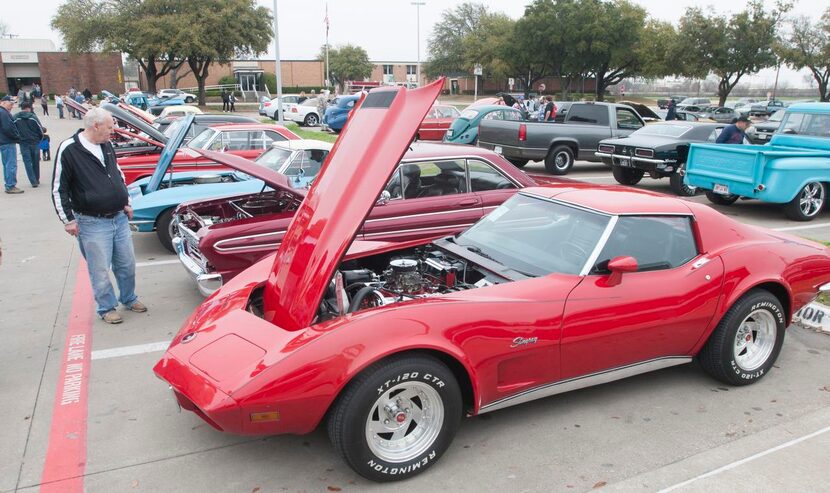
{"type": "Point", "coordinates": [191, 245]}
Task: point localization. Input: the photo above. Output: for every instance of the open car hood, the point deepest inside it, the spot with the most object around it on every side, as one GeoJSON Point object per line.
{"type": "Point", "coordinates": [371, 145]}
{"type": "Point", "coordinates": [167, 155]}
{"type": "Point", "coordinates": [275, 180]}
{"type": "Point", "coordinates": [135, 122]}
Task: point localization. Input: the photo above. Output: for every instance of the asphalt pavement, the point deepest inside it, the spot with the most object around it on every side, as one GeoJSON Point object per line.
{"type": "Point", "coordinates": [82, 408]}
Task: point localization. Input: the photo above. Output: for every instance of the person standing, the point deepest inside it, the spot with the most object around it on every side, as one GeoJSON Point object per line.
{"type": "Point", "coordinates": [31, 132]}
{"type": "Point", "coordinates": [232, 102]}
{"type": "Point", "coordinates": [672, 110]}
{"type": "Point", "coordinates": [734, 133]}
{"type": "Point", "coordinates": [59, 105]}
{"type": "Point", "coordinates": [45, 147]}
{"type": "Point", "coordinates": [91, 199]}
{"type": "Point", "coordinates": [225, 101]}
{"type": "Point", "coordinates": [44, 103]}
{"type": "Point", "coordinates": [87, 94]}
{"type": "Point", "coordinates": [550, 109]}
{"type": "Point", "coordinates": [9, 137]}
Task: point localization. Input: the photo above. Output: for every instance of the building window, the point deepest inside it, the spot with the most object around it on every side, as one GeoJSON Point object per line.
{"type": "Point", "coordinates": [387, 70]}
{"type": "Point", "coordinates": [411, 69]}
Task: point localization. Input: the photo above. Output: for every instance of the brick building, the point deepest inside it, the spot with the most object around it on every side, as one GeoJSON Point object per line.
{"type": "Point", "coordinates": [24, 62]}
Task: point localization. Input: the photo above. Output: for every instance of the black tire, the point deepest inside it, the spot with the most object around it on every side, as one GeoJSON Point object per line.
{"type": "Point", "coordinates": [188, 99]}
{"type": "Point", "coordinates": [559, 160]}
{"type": "Point", "coordinates": [719, 199]}
{"type": "Point", "coordinates": [721, 357]}
{"type": "Point", "coordinates": [359, 403]}
{"type": "Point", "coordinates": [680, 188]}
{"type": "Point", "coordinates": [164, 229]}
{"type": "Point", "coordinates": [519, 163]}
{"type": "Point", "coordinates": [627, 176]}
{"type": "Point", "coordinates": [815, 196]}
{"type": "Point", "coordinates": [311, 120]}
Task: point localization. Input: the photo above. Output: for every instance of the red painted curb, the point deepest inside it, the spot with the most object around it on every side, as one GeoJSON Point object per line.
{"type": "Point", "coordinates": [63, 470]}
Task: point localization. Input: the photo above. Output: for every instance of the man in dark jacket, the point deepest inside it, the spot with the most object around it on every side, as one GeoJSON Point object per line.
{"type": "Point", "coordinates": [31, 133]}
{"type": "Point", "coordinates": [91, 200]}
{"type": "Point", "coordinates": [735, 133]}
{"type": "Point", "coordinates": [9, 137]}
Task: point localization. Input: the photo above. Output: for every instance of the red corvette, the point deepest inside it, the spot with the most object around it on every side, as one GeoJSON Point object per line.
{"type": "Point", "coordinates": [437, 190]}
{"type": "Point", "coordinates": [559, 288]}
{"type": "Point", "coordinates": [437, 121]}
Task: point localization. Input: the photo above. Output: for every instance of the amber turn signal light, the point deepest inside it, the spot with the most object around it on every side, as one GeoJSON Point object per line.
{"type": "Point", "coordinates": [265, 417]}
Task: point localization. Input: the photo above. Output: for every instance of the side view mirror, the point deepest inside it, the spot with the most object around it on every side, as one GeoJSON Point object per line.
{"type": "Point", "coordinates": [385, 196]}
{"type": "Point", "coordinates": [617, 266]}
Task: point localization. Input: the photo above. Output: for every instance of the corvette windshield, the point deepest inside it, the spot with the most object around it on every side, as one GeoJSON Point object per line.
{"type": "Point", "coordinates": [536, 236]}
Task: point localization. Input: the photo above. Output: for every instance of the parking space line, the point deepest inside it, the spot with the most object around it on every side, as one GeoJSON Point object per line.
{"type": "Point", "coordinates": [117, 352]}
{"type": "Point", "coordinates": [65, 464]}
{"type": "Point", "coordinates": [745, 460]}
{"type": "Point", "coordinates": [806, 226]}
{"type": "Point", "coordinates": [156, 262]}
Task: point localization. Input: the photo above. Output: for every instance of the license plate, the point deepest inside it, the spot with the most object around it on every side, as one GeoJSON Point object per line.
{"type": "Point", "coordinates": [625, 162]}
{"type": "Point", "coordinates": [497, 149]}
{"type": "Point", "coordinates": [721, 189]}
{"type": "Point", "coordinates": [762, 136]}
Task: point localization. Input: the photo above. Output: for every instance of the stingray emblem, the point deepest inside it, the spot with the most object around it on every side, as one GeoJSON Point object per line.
{"type": "Point", "coordinates": [524, 341]}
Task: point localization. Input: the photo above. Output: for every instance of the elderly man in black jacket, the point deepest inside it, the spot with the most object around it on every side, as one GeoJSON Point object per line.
{"type": "Point", "coordinates": [91, 200]}
{"type": "Point", "coordinates": [9, 137]}
{"type": "Point", "coordinates": [31, 132]}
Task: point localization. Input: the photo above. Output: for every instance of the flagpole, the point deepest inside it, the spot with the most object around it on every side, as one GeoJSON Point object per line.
{"type": "Point", "coordinates": [278, 70]}
{"type": "Point", "coordinates": [328, 81]}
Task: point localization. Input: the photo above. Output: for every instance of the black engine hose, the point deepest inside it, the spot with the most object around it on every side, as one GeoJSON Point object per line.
{"type": "Point", "coordinates": [359, 297]}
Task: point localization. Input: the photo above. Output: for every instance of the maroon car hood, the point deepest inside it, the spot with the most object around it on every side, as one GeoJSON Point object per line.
{"type": "Point", "coordinates": [275, 180]}
{"type": "Point", "coordinates": [371, 145]}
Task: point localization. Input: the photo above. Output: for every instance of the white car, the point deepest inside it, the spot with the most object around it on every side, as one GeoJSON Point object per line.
{"type": "Point", "coordinates": [270, 107]}
{"type": "Point", "coordinates": [305, 113]}
{"type": "Point", "coordinates": [173, 93]}
{"type": "Point", "coordinates": [179, 110]}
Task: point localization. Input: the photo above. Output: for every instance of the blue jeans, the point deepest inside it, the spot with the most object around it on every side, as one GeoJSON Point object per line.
{"type": "Point", "coordinates": [8, 153]}
{"type": "Point", "coordinates": [104, 243]}
{"type": "Point", "coordinates": [60, 111]}
{"type": "Point", "coordinates": [31, 161]}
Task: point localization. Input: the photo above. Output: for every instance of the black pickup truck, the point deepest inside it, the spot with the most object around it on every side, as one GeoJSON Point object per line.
{"type": "Point", "coordinates": [559, 143]}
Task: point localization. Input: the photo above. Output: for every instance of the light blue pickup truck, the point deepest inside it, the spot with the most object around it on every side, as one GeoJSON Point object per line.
{"type": "Point", "coordinates": [793, 169]}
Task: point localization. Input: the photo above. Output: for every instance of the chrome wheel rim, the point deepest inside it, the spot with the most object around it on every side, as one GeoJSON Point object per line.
{"type": "Point", "coordinates": [811, 199]}
{"type": "Point", "coordinates": [561, 160]}
{"type": "Point", "coordinates": [404, 422]}
{"type": "Point", "coordinates": [755, 339]}
{"type": "Point", "coordinates": [312, 120]}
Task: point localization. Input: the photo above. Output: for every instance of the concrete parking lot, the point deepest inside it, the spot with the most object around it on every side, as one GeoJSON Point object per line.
{"type": "Point", "coordinates": [82, 408]}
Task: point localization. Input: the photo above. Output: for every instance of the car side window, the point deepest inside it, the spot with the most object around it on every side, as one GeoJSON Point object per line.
{"type": "Point", "coordinates": [394, 185]}
{"type": "Point", "coordinates": [817, 125]}
{"type": "Point", "coordinates": [432, 179]}
{"type": "Point", "coordinates": [513, 116]}
{"type": "Point", "coordinates": [271, 136]}
{"type": "Point", "coordinates": [627, 119]}
{"type": "Point", "coordinates": [656, 242]}
{"type": "Point", "coordinates": [484, 177]}
{"type": "Point", "coordinates": [792, 123]}
{"type": "Point", "coordinates": [588, 114]}
{"type": "Point", "coordinates": [494, 115]}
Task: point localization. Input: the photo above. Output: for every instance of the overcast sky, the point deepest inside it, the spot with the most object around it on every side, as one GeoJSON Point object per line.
{"type": "Point", "coordinates": [385, 28]}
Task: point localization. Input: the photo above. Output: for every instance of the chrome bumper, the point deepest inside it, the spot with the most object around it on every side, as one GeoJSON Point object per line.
{"type": "Point", "coordinates": [206, 283]}
{"type": "Point", "coordinates": [824, 287]}
{"type": "Point", "coordinates": [632, 158]}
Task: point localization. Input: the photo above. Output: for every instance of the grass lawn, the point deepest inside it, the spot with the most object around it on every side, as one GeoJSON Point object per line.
{"type": "Point", "coordinates": [305, 134]}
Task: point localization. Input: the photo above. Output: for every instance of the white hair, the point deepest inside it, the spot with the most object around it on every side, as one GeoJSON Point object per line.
{"type": "Point", "coordinates": [96, 115]}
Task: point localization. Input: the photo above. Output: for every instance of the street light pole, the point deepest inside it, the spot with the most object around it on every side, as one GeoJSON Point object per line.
{"type": "Point", "coordinates": [278, 69]}
{"type": "Point", "coordinates": [418, 36]}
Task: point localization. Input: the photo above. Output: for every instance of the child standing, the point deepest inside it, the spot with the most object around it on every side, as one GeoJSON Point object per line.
{"type": "Point", "coordinates": [44, 146]}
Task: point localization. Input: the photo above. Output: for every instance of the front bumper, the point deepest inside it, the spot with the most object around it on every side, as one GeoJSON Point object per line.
{"type": "Point", "coordinates": [207, 283]}
{"type": "Point", "coordinates": [643, 163]}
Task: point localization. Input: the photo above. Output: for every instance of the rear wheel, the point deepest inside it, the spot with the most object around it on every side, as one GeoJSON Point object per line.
{"type": "Point", "coordinates": [627, 176]}
{"type": "Point", "coordinates": [311, 120]}
{"type": "Point", "coordinates": [746, 342]}
{"type": "Point", "coordinates": [680, 188]}
{"type": "Point", "coordinates": [719, 199]}
{"type": "Point", "coordinates": [808, 202]}
{"type": "Point", "coordinates": [519, 163]}
{"type": "Point", "coordinates": [559, 160]}
{"type": "Point", "coordinates": [188, 99]}
{"type": "Point", "coordinates": [396, 418]}
{"type": "Point", "coordinates": [165, 229]}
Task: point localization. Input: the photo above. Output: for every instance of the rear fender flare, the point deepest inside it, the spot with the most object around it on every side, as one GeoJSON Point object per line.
{"type": "Point", "coordinates": [572, 143]}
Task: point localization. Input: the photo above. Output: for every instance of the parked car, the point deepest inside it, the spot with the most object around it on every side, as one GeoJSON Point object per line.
{"type": "Point", "coordinates": [159, 105]}
{"type": "Point", "coordinates": [464, 129]}
{"type": "Point", "coordinates": [663, 103]}
{"type": "Point", "coordinates": [154, 198]}
{"type": "Point", "coordinates": [176, 93]}
{"type": "Point", "coordinates": [437, 121]}
{"type": "Point", "coordinates": [428, 196]}
{"type": "Point", "coordinates": [338, 112]}
{"type": "Point", "coordinates": [659, 150]}
{"type": "Point", "coordinates": [244, 139]}
{"type": "Point", "coordinates": [181, 110]}
{"type": "Point", "coordinates": [559, 145]}
{"type": "Point", "coordinates": [688, 116]}
{"type": "Point", "coordinates": [793, 169]}
{"type": "Point", "coordinates": [720, 114]}
{"type": "Point", "coordinates": [761, 132]}
{"type": "Point", "coordinates": [270, 107]}
{"type": "Point", "coordinates": [306, 113]}
{"type": "Point", "coordinates": [744, 102]}
{"type": "Point", "coordinates": [699, 102]}
{"type": "Point", "coordinates": [559, 288]}
{"type": "Point", "coordinates": [766, 108]}
{"type": "Point", "coordinates": [200, 122]}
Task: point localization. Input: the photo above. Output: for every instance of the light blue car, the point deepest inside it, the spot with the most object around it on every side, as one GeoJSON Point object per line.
{"type": "Point", "coordinates": [153, 199]}
{"type": "Point", "coordinates": [464, 129]}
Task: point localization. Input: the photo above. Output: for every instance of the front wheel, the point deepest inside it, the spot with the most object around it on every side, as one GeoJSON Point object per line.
{"type": "Point", "coordinates": [311, 120]}
{"type": "Point", "coordinates": [746, 342]}
{"type": "Point", "coordinates": [559, 160]}
{"type": "Point", "coordinates": [396, 418]}
{"type": "Point", "coordinates": [627, 176]}
{"type": "Point", "coordinates": [808, 202]}
{"type": "Point", "coordinates": [680, 188]}
{"type": "Point", "coordinates": [165, 229]}
{"type": "Point", "coordinates": [719, 199]}
{"type": "Point", "coordinates": [188, 99]}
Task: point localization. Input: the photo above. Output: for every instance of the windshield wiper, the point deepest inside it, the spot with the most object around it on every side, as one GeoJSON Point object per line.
{"type": "Point", "coordinates": [478, 251]}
